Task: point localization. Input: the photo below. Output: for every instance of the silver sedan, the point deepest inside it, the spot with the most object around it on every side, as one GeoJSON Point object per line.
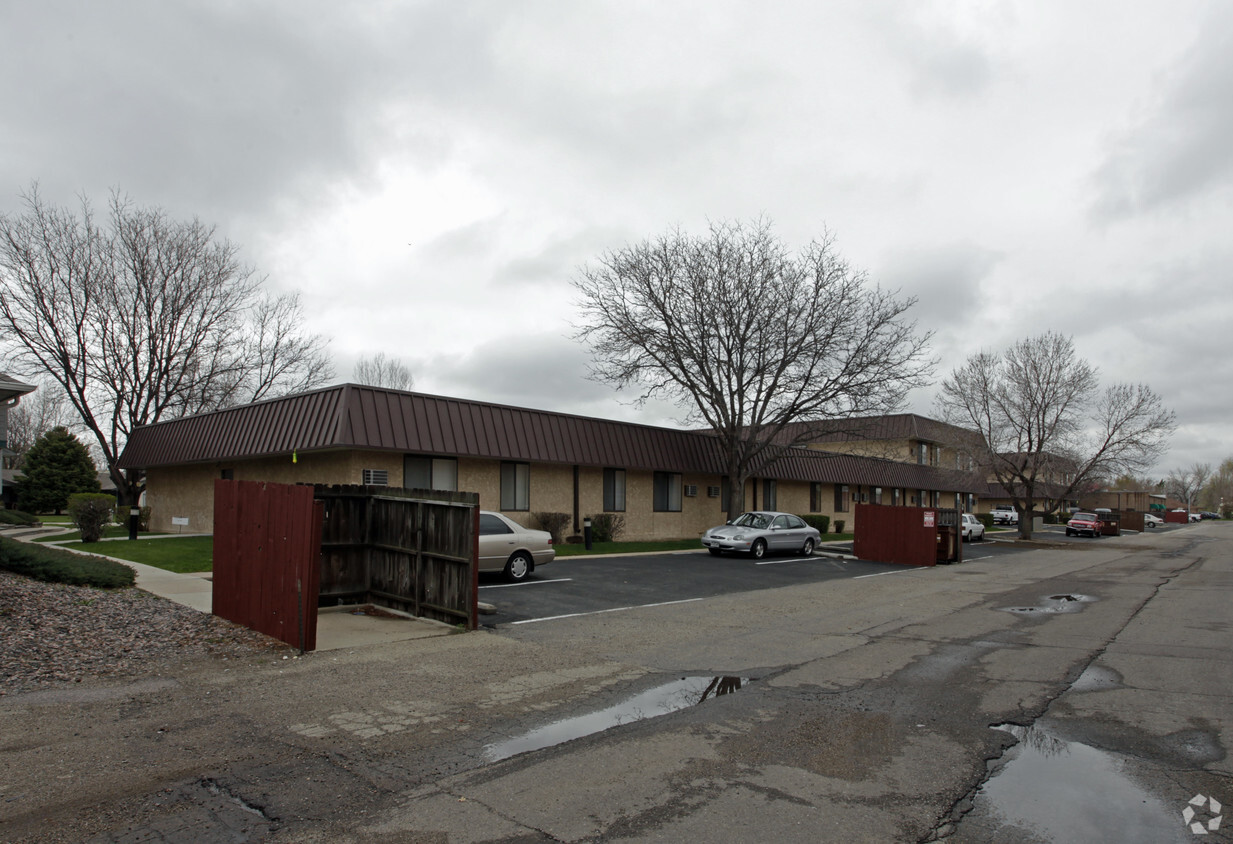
{"type": "Point", "coordinates": [760, 532]}
{"type": "Point", "coordinates": [508, 547]}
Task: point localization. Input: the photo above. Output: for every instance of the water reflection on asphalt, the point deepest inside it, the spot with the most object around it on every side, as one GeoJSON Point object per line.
{"type": "Point", "coordinates": [1055, 790]}
{"type": "Point", "coordinates": [669, 697]}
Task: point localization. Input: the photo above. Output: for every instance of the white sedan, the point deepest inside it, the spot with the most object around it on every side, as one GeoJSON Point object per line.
{"type": "Point", "coordinates": [972, 528]}
{"type": "Point", "coordinates": [1150, 521]}
{"type": "Point", "coordinates": [508, 547]}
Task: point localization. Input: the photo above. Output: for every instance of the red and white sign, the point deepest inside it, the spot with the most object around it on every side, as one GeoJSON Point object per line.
{"type": "Point", "coordinates": [930, 516]}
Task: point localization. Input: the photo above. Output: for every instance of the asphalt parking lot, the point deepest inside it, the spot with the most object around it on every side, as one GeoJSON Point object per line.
{"type": "Point", "coordinates": [577, 586]}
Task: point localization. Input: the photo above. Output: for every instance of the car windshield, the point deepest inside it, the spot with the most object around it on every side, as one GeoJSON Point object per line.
{"type": "Point", "coordinates": [1088, 516]}
{"type": "Point", "coordinates": [757, 521]}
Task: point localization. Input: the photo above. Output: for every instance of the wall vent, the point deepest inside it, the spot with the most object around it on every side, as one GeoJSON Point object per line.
{"type": "Point", "coordinates": [712, 492]}
{"type": "Point", "coordinates": [376, 477]}
{"type": "Point", "coordinates": [691, 490]}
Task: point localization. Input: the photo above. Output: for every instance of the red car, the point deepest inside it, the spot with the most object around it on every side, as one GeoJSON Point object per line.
{"type": "Point", "coordinates": [1081, 523]}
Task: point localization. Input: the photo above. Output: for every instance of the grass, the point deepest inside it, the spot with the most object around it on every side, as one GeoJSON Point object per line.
{"type": "Point", "coordinates": [567, 550]}
{"type": "Point", "coordinates": [178, 554]}
{"type": "Point", "coordinates": [56, 565]}
{"type": "Point", "coordinates": [109, 532]}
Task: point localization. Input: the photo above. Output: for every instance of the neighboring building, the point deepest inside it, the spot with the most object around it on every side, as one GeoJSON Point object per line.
{"type": "Point", "coordinates": [11, 391]}
{"type": "Point", "coordinates": [667, 483]}
{"type": "Point", "coordinates": [1139, 500]}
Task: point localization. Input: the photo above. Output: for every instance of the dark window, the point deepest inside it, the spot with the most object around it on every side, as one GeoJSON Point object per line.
{"type": "Point", "coordinates": [815, 497]}
{"type": "Point", "coordinates": [795, 522]}
{"type": "Point", "coordinates": [614, 490]}
{"type": "Point", "coordinates": [780, 522]}
{"type": "Point", "coordinates": [423, 472]}
{"type": "Point", "coordinates": [770, 494]}
{"type": "Point", "coordinates": [841, 498]}
{"type": "Point", "coordinates": [490, 524]}
{"type": "Point", "coordinates": [515, 486]}
{"type": "Point", "coordinates": [667, 492]}
{"type": "Point", "coordinates": [228, 474]}
{"type": "Point", "coordinates": [877, 495]}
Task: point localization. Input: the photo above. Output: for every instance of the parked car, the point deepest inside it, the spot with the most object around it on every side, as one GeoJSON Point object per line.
{"type": "Point", "coordinates": [1081, 523]}
{"type": "Point", "coordinates": [508, 547]}
{"type": "Point", "coordinates": [1005, 515]}
{"type": "Point", "coordinates": [1208, 514]}
{"type": "Point", "coordinates": [760, 532]}
{"type": "Point", "coordinates": [1150, 521]}
{"type": "Point", "coordinates": [972, 529]}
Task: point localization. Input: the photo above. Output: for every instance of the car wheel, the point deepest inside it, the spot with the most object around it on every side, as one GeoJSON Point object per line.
{"type": "Point", "coordinates": [758, 549]}
{"type": "Point", "coordinates": [518, 566]}
{"type": "Point", "coordinates": [714, 551]}
{"type": "Point", "coordinates": [1069, 531]}
{"type": "Point", "coordinates": [807, 549]}
{"type": "Point", "coordinates": [981, 538]}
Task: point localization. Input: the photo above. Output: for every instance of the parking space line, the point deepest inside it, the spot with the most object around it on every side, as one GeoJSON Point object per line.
{"type": "Point", "coordinates": [781, 562]}
{"type": "Point", "coordinates": [527, 583]}
{"type": "Point", "coordinates": [879, 574]}
{"type": "Point", "coordinates": [601, 612]}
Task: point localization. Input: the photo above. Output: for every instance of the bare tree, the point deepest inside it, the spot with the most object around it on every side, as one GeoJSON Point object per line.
{"type": "Point", "coordinates": [35, 415]}
{"type": "Point", "coordinates": [747, 337]}
{"type": "Point", "coordinates": [144, 318]}
{"type": "Point", "coordinates": [383, 372]}
{"type": "Point", "coordinates": [1185, 484]}
{"type": "Point", "coordinates": [1217, 494]}
{"type": "Point", "coordinates": [1047, 430]}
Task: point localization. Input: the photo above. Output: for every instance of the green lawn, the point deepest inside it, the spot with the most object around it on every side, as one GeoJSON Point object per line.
{"type": "Point", "coordinates": [109, 532]}
{"type": "Point", "coordinates": [178, 554]}
{"type": "Point", "coordinates": [565, 550]}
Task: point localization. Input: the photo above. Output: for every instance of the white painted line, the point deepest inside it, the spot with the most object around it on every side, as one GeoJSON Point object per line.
{"type": "Point", "coordinates": [601, 612]}
{"type": "Point", "coordinates": [970, 559]}
{"type": "Point", "coordinates": [781, 562]}
{"type": "Point", "coordinates": [527, 583]}
{"type": "Point", "coordinates": [879, 574]}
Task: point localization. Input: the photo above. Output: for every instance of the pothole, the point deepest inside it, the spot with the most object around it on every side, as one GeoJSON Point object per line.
{"type": "Point", "coordinates": [1054, 605]}
{"type": "Point", "coordinates": [1048, 789]}
{"type": "Point", "coordinates": [669, 697]}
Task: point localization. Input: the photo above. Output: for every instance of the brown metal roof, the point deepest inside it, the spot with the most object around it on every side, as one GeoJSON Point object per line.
{"type": "Point", "coordinates": [894, 426]}
{"type": "Point", "coordinates": [352, 416]}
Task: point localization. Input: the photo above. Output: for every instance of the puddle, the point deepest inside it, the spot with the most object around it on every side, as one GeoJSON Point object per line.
{"type": "Point", "coordinates": [1054, 604]}
{"type": "Point", "coordinates": [679, 694]}
{"type": "Point", "coordinates": [1053, 790]}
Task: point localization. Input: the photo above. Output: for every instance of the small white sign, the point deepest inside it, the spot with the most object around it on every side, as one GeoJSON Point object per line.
{"type": "Point", "coordinates": [180, 520]}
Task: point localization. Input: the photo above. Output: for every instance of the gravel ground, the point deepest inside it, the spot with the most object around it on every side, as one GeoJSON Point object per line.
{"type": "Point", "coordinates": [52, 634]}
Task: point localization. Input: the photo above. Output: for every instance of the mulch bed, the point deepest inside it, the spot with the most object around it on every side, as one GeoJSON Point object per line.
{"type": "Point", "coordinates": [52, 634]}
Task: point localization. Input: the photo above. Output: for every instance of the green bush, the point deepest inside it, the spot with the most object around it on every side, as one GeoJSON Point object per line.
{"type": "Point", "coordinates": [839, 525]}
{"type": "Point", "coordinates": [986, 519]}
{"type": "Point", "coordinates": [822, 523]}
{"type": "Point", "coordinates": [17, 517]}
{"type": "Point", "coordinates": [606, 527]}
{"type": "Point", "coordinates": [554, 523]}
{"type": "Point", "coordinates": [122, 514]}
{"type": "Point", "coordinates": [1051, 518]}
{"type": "Point", "coordinates": [56, 565]}
{"type": "Point", "coordinates": [91, 512]}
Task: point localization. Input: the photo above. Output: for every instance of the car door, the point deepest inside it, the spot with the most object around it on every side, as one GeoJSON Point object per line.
{"type": "Point", "coordinates": [496, 542]}
{"type": "Point", "coordinates": [781, 534]}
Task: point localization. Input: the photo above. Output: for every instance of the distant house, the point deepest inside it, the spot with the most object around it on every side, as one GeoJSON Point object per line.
{"type": "Point", "coordinates": [11, 391]}
{"type": "Point", "coordinates": [667, 483]}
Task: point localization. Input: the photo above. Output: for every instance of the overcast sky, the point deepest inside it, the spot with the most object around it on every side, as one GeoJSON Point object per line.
{"type": "Point", "coordinates": [431, 175]}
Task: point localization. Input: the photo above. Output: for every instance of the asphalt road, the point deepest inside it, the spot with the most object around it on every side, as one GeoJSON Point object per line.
{"type": "Point", "coordinates": [579, 586]}
{"type": "Point", "coordinates": [1077, 692]}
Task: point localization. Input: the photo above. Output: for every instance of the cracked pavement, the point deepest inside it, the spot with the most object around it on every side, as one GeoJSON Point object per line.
{"type": "Point", "coordinates": [868, 717]}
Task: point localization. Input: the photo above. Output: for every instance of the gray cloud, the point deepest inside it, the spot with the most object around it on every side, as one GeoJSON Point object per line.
{"type": "Point", "coordinates": [1181, 149]}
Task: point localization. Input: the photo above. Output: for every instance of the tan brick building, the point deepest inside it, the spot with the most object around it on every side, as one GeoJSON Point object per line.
{"type": "Point", "coordinates": [666, 483]}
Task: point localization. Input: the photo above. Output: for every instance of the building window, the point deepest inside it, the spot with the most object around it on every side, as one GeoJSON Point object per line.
{"type": "Point", "coordinates": [770, 494]}
{"type": "Point", "coordinates": [841, 498]}
{"type": "Point", "coordinates": [924, 498]}
{"type": "Point", "coordinates": [815, 497]}
{"type": "Point", "coordinates": [423, 472]}
{"type": "Point", "coordinates": [515, 486]}
{"type": "Point", "coordinates": [667, 492]}
{"type": "Point", "coordinates": [228, 474]}
{"type": "Point", "coordinates": [922, 453]}
{"type": "Point", "coordinates": [937, 456]}
{"type": "Point", "coordinates": [614, 490]}
{"type": "Point", "coordinates": [877, 495]}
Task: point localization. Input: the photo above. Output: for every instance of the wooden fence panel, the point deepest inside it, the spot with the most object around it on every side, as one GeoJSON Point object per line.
{"type": "Point", "coordinates": [266, 558]}
{"type": "Point", "coordinates": [906, 535]}
{"type": "Point", "coordinates": [409, 550]}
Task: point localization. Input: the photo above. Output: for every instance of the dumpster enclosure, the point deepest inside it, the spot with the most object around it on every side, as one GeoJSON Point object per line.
{"type": "Point", "coordinates": [913, 536]}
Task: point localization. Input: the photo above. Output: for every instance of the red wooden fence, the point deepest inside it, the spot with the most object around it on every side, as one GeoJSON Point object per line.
{"type": "Point", "coordinates": [1176, 518]}
{"type": "Point", "coordinates": [908, 535]}
{"type": "Point", "coordinates": [267, 549]}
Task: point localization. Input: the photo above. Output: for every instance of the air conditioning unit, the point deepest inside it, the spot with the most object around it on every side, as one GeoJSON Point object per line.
{"type": "Point", "coordinates": [376, 477]}
{"type": "Point", "coordinates": [691, 490]}
{"type": "Point", "coordinates": [712, 492]}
